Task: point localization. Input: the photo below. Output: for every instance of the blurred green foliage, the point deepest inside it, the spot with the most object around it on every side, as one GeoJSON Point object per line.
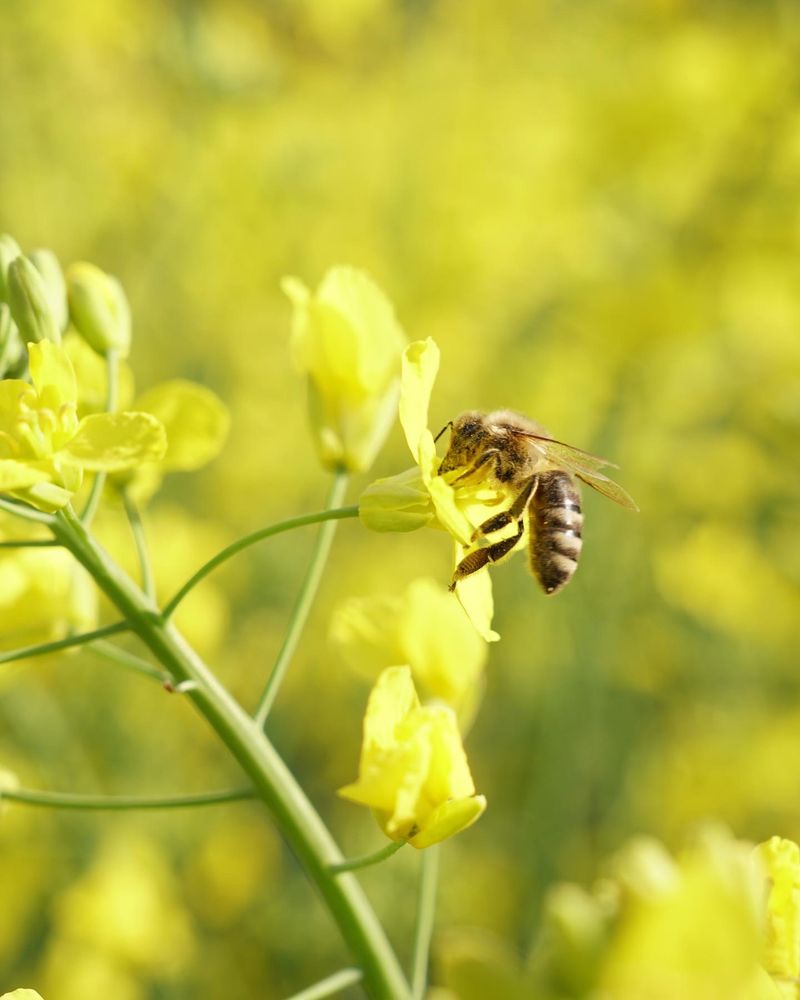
{"type": "Point", "coordinates": [593, 208]}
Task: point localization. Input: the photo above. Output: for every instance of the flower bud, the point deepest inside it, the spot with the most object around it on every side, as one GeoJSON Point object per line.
{"type": "Point", "coordinates": [396, 503]}
{"type": "Point", "coordinates": [30, 303]}
{"type": "Point", "coordinates": [9, 250]}
{"type": "Point", "coordinates": [10, 345]}
{"type": "Point", "coordinates": [346, 339]}
{"type": "Point", "coordinates": [99, 309]}
{"type": "Point", "coordinates": [46, 263]}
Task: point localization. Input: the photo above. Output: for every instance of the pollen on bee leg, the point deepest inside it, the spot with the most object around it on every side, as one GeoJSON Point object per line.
{"type": "Point", "coordinates": [469, 564]}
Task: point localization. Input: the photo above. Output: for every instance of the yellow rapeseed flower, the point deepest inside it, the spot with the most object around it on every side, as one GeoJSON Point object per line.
{"type": "Point", "coordinates": [423, 628]}
{"type": "Point", "coordinates": [413, 772]}
{"type": "Point", "coordinates": [781, 861]}
{"type": "Point", "coordinates": [420, 496]}
{"type": "Point", "coordinates": [45, 448]}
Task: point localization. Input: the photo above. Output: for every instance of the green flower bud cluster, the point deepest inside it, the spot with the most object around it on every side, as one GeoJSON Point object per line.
{"type": "Point", "coordinates": [38, 303]}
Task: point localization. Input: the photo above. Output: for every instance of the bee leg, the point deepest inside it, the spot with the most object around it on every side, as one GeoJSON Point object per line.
{"type": "Point", "coordinates": [514, 512]}
{"type": "Point", "coordinates": [481, 557]}
{"type": "Point", "coordinates": [488, 456]}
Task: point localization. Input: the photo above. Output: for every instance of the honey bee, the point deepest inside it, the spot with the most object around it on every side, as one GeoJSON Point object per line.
{"type": "Point", "coordinates": [517, 455]}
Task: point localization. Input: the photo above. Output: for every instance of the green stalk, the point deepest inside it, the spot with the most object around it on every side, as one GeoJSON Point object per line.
{"type": "Point", "coordinates": [70, 800]}
{"type": "Point", "coordinates": [426, 909]}
{"type": "Point", "coordinates": [255, 536]}
{"type": "Point", "coordinates": [304, 601]}
{"type": "Point", "coordinates": [330, 986]}
{"type": "Point", "coordinates": [274, 783]}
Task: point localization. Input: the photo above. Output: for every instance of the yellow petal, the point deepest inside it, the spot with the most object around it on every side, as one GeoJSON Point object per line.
{"type": "Point", "coordinates": [392, 698]}
{"type": "Point", "coordinates": [50, 366]}
{"type": "Point", "coordinates": [114, 441]}
{"type": "Point", "coordinates": [781, 861]}
{"type": "Point", "coordinates": [195, 419]}
{"type": "Point", "coordinates": [449, 819]}
{"type": "Point", "coordinates": [474, 593]}
{"type": "Point", "coordinates": [420, 367]}
{"type": "Point", "coordinates": [18, 475]}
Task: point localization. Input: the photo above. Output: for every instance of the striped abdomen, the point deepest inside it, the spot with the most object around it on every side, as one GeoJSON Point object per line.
{"type": "Point", "coordinates": [556, 523]}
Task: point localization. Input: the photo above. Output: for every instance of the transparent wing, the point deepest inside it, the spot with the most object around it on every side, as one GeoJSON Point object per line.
{"type": "Point", "coordinates": [567, 454]}
{"type": "Point", "coordinates": [608, 488]}
{"type": "Point", "coordinates": [584, 465]}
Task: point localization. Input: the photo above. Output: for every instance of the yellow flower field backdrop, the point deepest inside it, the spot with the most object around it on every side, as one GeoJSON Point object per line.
{"type": "Point", "coordinates": [593, 208]}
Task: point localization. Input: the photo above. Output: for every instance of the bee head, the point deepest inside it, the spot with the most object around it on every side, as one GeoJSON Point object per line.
{"type": "Point", "coordinates": [468, 433]}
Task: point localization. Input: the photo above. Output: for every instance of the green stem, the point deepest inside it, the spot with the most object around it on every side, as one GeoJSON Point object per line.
{"type": "Point", "coordinates": [42, 648]}
{"type": "Point", "coordinates": [140, 541]}
{"type": "Point", "coordinates": [25, 511]}
{"type": "Point", "coordinates": [126, 659]}
{"type": "Point", "coordinates": [39, 543]}
{"type": "Point", "coordinates": [305, 599]}
{"type": "Point", "coordinates": [68, 800]}
{"type": "Point", "coordinates": [112, 391]}
{"type": "Point", "coordinates": [365, 860]}
{"type": "Point", "coordinates": [426, 909]}
{"type": "Point", "coordinates": [273, 782]}
{"type": "Point", "coordinates": [256, 536]}
{"type": "Point", "coordinates": [328, 987]}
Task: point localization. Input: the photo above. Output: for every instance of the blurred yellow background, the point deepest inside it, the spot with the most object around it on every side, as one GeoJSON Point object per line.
{"type": "Point", "coordinates": [593, 208]}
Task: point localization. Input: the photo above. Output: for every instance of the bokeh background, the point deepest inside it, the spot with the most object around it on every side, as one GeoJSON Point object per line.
{"type": "Point", "coordinates": [593, 207]}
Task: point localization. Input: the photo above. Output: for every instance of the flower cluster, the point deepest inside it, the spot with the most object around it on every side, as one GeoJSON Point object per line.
{"type": "Point", "coordinates": [56, 426]}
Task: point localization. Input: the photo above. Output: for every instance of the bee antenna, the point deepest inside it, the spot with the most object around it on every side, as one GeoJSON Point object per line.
{"type": "Point", "coordinates": [446, 426]}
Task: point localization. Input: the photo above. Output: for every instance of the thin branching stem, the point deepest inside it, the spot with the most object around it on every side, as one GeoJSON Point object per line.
{"type": "Point", "coordinates": [365, 860]}
{"type": "Point", "coordinates": [330, 986]}
{"type": "Point", "coordinates": [43, 648]}
{"type": "Point", "coordinates": [305, 600]}
{"type": "Point", "coordinates": [25, 511]}
{"type": "Point", "coordinates": [109, 651]}
{"type": "Point", "coordinates": [247, 540]}
{"type": "Point", "coordinates": [118, 803]}
{"type": "Point", "coordinates": [140, 541]}
{"type": "Point", "coordinates": [112, 392]}
{"type": "Point", "coordinates": [31, 543]}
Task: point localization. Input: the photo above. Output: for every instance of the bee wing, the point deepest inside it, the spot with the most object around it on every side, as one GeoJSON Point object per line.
{"type": "Point", "coordinates": [607, 487]}
{"type": "Point", "coordinates": [567, 454]}
{"type": "Point", "coordinates": [585, 466]}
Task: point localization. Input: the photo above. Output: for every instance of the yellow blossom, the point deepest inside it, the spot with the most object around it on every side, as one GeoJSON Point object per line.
{"type": "Point", "coordinates": [420, 496]}
{"type": "Point", "coordinates": [424, 628]}
{"type": "Point", "coordinates": [44, 447]}
{"type": "Point", "coordinates": [346, 339]}
{"type": "Point", "coordinates": [413, 772]}
{"type": "Point", "coordinates": [781, 861]}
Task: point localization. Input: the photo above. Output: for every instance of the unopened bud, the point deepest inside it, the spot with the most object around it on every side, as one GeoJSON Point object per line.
{"type": "Point", "coordinates": [46, 263]}
{"type": "Point", "coordinates": [30, 303]}
{"type": "Point", "coordinates": [10, 344]}
{"type": "Point", "coordinates": [397, 503]}
{"type": "Point", "coordinates": [9, 250]}
{"type": "Point", "coordinates": [99, 309]}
